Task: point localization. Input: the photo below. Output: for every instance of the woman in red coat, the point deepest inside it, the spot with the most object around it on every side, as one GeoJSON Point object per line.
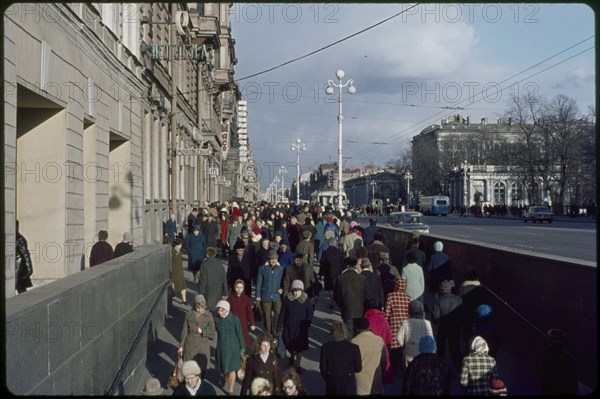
{"type": "Point", "coordinates": [241, 306]}
{"type": "Point", "coordinates": [380, 326]}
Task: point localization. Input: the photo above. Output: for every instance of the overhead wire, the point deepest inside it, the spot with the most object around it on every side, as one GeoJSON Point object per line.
{"type": "Point", "coordinates": [424, 121]}
{"type": "Point", "coordinates": [329, 45]}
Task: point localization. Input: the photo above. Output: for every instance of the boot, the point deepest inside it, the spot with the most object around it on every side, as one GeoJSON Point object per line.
{"type": "Point", "coordinates": [298, 360]}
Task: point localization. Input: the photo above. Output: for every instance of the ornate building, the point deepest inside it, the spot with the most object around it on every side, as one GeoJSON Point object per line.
{"type": "Point", "coordinates": [116, 115]}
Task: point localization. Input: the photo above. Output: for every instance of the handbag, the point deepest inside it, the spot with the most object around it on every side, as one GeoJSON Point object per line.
{"type": "Point", "coordinates": [257, 313]}
{"type": "Point", "coordinates": [242, 371]}
{"type": "Point", "coordinates": [174, 378]}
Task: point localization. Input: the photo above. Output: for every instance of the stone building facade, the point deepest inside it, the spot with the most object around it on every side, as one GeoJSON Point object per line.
{"type": "Point", "coordinates": [91, 141]}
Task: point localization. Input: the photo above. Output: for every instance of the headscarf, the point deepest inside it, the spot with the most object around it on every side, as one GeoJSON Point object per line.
{"type": "Point", "coordinates": [479, 345]}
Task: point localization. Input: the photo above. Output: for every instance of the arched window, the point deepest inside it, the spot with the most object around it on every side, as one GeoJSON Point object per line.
{"type": "Point", "coordinates": [499, 193]}
{"type": "Point", "coordinates": [516, 193]}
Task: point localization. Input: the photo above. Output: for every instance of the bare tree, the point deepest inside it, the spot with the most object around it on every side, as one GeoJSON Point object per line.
{"type": "Point", "coordinates": [528, 111]}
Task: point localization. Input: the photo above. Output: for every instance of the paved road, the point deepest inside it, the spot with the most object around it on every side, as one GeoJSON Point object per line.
{"type": "Point", "coordinates": [516, 374]}
{"type": "Point", "coordinates": [570, 238]}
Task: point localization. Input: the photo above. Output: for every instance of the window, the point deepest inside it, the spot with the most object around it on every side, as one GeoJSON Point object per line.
{"type": "Point", "coordinates": [499, 193]}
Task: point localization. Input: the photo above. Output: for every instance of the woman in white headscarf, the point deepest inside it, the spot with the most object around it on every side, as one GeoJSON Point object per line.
{"type": "Point", "coordinates": [230, 344]}
{"type": "Point", "coordinates": [478, 368]}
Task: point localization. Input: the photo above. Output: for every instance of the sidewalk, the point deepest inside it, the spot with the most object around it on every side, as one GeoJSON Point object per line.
{"type": "Point", "coordinates": [162, 354]}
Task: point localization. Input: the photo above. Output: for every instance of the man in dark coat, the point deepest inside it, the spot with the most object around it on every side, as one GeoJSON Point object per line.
{"type": "Point", "coordinates": [375, 298]}
{"type": "Point", "coordinates": [195, 248]}
{"type": "Point", "coordinates": [438, 267]}
{"type": "Point", "coordinates": [170, 228]}
{"type": "Point", "coordinates": [294, 232]}
{"type": "Point", "coordinates": [369, 232]}
{"type": "Point", "coordinates": [23, 265]}
{"type": "Point", "coordinates": [376, 248]}
{"type": "Point", "coordinates": [210, 229]}
{"type": "Point", "coordinates": [350, 294]}
{"type": "Point", "coordinates": [238, 267]}
{"type": "Point", "coordinates": [331, 265]}
{"type": "Point", "coordinates": [101, 251]}
{"type": "Point", "coordinates": [414, 248]}
{"type": "Point", "coordinates": [124, 247]}
{"type": "Point", "coordinates": [192, 220]}
{"type": "Point", "coordinates": [339, 361]}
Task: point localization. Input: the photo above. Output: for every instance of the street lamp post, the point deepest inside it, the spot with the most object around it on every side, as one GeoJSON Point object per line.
{"type": "Point", "coordinates": [373, 184]}
{"type": "Point", "coordinates": [408, 176]}
{"type": "Point", "coordinates": [329, 90]}
{"type": "Point", "coordinates": [298, 146]}
{"type": "Point", "coordinates": [282, 172]}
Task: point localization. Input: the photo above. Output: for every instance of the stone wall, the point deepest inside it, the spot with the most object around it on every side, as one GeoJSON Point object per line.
{"type": "Point", "coordinates": [70, 337]}
{"type": "Point", "coordinates": [531, 292]}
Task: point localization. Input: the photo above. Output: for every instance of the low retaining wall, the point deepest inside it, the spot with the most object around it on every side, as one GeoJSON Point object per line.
{"type": "Point", "coordinates": [549, 292]}
{"type": "Point", "coordinates": [70, 337]}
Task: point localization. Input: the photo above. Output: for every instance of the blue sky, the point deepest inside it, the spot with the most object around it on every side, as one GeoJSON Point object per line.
{"type": "Point", "coordinates": [405, 71]}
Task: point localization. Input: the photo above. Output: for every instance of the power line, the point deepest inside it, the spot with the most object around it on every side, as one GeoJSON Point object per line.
{"type": "Point", "coordinates": [329, 45]}
{"type": "Point", "coordinates": [424, 121]}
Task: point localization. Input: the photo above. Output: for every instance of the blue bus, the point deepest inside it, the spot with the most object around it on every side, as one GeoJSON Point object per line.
{"type": "Point", "coordinates": [434, 205]}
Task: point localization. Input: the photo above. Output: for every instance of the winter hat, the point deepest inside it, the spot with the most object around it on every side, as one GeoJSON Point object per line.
{"type": "Point", "coordinates": [284, 242]}
{"type": "Point", "coordinates": [329, 219]}
{"type": "Point", "coordinates": [445, 286]}
{"type": "Point", "coordinates": [196, 228]}
{"type": "Point", "coordinates": [272, 254]}
{"type": "Point", "coordinates": [306, 234]}
{"type": "Point", "coordinates": [384, 256]}
{"type": "Point", "coordinates": [239, 245]}
{"type": "Point", "coordinates": [256, 230]}
{"type": "Point", "coordinates": [478, 344]}
{"type": "Point", "coordinates": [102, 235]}
{"type": "Point", "coordinates": [331, 242]}
{"type": "Point", "coordinates": [299, 255]}
{"type": "Point", "coordinates": [483, 311]}
{"type": "Point", "coordinates": [200, 300]}
{"type": "Point", "coordinates": [497, 388]}
{"type": "Point", "coordinates": [365, 263]}
{"type": "Point", "coordinates": [427, 344]}
{"type": "Point", "coordinates": [438, 246]}
{"type": "Point", "coordinates": [297, 285]}
{"type": "Point", "coordinates": [152, 387]}
{"type": "Point", "coordinates": [362, 324]}
{"type": "Point", "coordinates": [190, 367]}
{"type": "Point", "coordinates": [415, 308]}
{"type": "Point", "coordinates": [126, 236]}
{"type": "Point", "coordinates": [278, 234]}
{"type": "Point", "coordinates": [223, 304]}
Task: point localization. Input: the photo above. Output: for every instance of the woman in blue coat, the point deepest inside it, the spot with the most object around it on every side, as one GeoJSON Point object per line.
{"type": "Point", "coordinates": [294, 322]}
{"type": "Point", "coordinates": [195, 248]}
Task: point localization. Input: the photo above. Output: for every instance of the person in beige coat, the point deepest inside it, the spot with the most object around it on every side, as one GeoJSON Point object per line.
{"type": "Point", "coordinates": [372, 352]}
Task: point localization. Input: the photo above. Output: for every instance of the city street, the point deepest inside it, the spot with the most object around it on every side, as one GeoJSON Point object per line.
{"type": "Point", "coordinates": [566, 237]}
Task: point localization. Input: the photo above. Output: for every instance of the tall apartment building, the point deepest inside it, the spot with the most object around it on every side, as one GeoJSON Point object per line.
{"type": "Point", "coordinates": [92, 140]}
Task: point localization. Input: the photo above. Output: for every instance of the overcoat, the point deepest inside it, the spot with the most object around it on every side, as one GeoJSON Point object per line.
{"type": "Point", "coordinates": [339, 362]}
{"type": "Point", "coordinates": [241, 306]}
{"type": "Point", "coordinates": [195, 247]}
{"type": "Point", "coordinates": [177, 270]}
{"type": "Point", "coordinates": [196, 346]}
{"type": "Point", "coordinates": [230, 343]}
{"type": "Point", "coordinates": [255, 367]}
{"type": "Point", "coordinates": [332, 264]}
{"type": "Point", "coordinates": [212, 282]}
{"type": "Point", "coordinates": [295, 319]}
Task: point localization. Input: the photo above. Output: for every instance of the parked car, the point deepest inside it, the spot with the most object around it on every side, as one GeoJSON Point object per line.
{"type": "Point", "coordinates": [538, 214]}
{"type": "Point", "coordinates": [411, 221]}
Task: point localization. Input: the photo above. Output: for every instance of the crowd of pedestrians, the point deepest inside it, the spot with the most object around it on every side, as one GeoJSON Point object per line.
{"type": "Point", "coordinates": [393, 323]}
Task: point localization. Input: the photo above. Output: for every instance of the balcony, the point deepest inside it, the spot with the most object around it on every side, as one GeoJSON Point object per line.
{"type": "Point", "coordinates": [206, 30]}
{"type": "Point", "coordinates": [221, 78]}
